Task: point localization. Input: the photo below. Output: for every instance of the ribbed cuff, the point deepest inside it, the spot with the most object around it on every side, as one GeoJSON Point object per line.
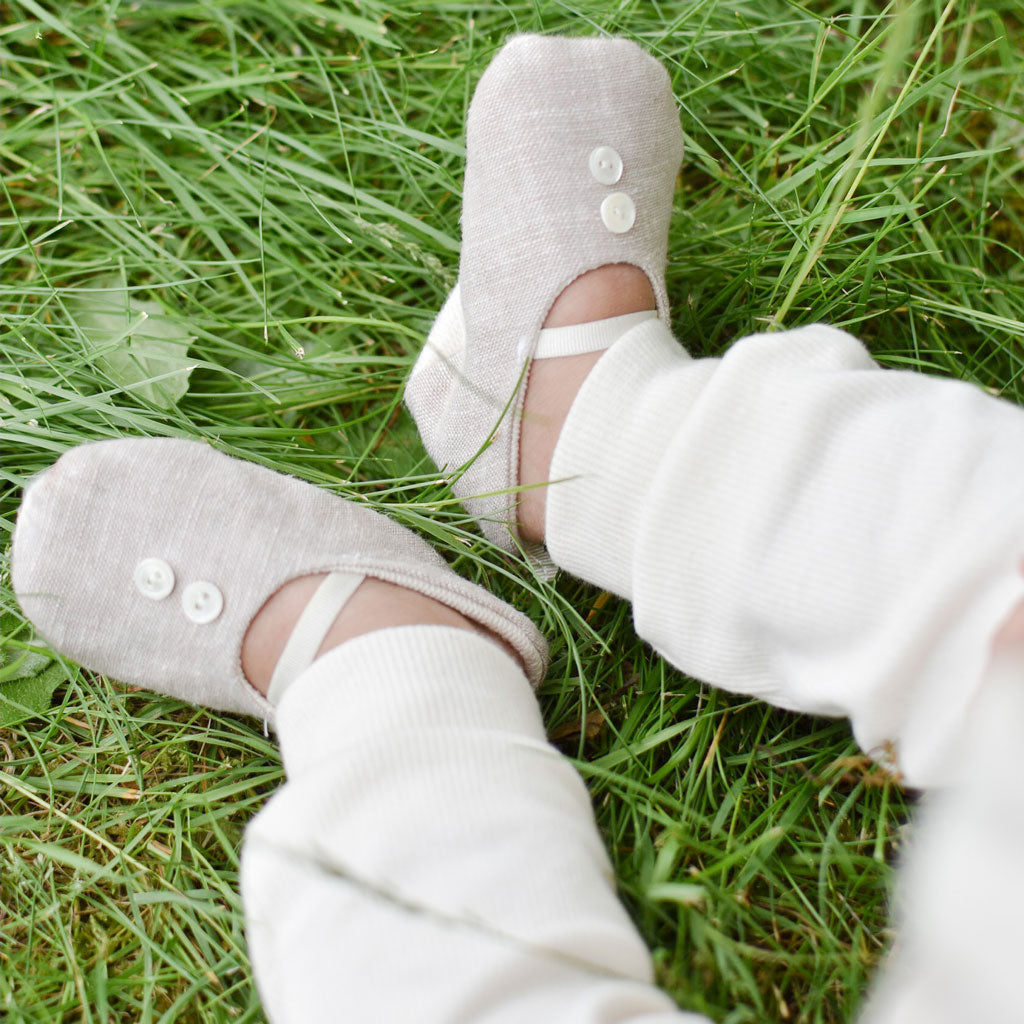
{"type": "Point", "coordinates": [402, 679]}
{"type": "Point", "coordinates": [608, 453]}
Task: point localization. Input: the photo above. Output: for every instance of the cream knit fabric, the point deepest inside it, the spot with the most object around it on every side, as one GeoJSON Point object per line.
{"type": "Point", "coordinates": [532, 222]}
{"type": "Point", "coordinates": [793, 522]}
{"type": "Point", "coordinates": [958, 948]}
{"type": "Point", "coordinates": [431, 858]}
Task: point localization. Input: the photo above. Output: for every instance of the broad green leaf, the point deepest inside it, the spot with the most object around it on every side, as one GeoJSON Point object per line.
{"type": "Point", "coordinates": [26, 698]}
{"type": "Point", "coordinates": [26, 665]}
{"type": "Point", "coordinates": [135, 343]}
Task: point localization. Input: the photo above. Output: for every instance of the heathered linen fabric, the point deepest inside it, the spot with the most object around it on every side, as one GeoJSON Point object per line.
{"type": "Point", "coordinates": [531, 224]}
{"type": "Point", "coordinates": [431, 858]}
{"type": "Point", "coordinates": [793, 522]}
{"type": "Point", "coordinates": [88, 521]}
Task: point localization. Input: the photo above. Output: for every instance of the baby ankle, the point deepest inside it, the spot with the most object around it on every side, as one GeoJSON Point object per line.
{"type": "Point", "coordinates": [608, 291]}
{"type": "Point", "coordinates": [372, 605]}
{"type": "Point", "coordinates": [564, 358]}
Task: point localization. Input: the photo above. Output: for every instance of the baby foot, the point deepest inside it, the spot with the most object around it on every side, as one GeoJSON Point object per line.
{"type": "Point", "coordinates": [573, 146]}
{"type": "Point", "coordinates": [166, 564]}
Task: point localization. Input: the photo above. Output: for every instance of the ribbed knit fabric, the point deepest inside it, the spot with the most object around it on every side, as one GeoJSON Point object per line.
{"type": "Point", "coordinates": [643, 387]}
{"type": "Point", "coordinates": [792, 522]}
{"type": "Point", "coordinates": [431, 857]}
{"type": "Point", "coordinates": [961, 893]}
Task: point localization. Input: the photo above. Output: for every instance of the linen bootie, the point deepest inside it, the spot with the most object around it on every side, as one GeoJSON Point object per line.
{"type": "Point", "coordinates": [573, 147]}
{"type": "Point", "coordinates": [147, 559]}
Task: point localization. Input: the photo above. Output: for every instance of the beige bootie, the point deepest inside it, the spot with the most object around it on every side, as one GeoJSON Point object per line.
{"type": "Point", "coordinates": [147, 559]}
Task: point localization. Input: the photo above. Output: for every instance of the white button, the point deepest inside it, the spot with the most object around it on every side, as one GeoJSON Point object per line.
{"type": "Point", "coordinates": [154, 578]}
{"type": "Point", "coordinates": [202, 602]}
{"type": "Point", "coordinates": [618, 212]}
{"type": "Point", "coordinates": [606, 165]}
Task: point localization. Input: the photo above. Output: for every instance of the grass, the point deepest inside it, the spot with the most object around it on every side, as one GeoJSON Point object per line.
{"type": "Point", "coordinates": [283, 179]}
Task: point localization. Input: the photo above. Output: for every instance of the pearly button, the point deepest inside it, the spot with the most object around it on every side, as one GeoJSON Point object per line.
{"type": "Point", "coordinates": [202, 602]}
{"type": "Point", "coordinates": [606, 165]}
{"type": "Point", "coordinates": [618, 212]}
{"type": "Point", "coordinates": [154, 578]}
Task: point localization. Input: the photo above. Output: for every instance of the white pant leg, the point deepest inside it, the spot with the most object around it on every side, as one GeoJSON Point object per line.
{"type": "Point", "coordinates": [793, 522]}
{"type": "Point", "coordinates": [431, 858]}
{"type": "Point", "coordinates": [958, 952]}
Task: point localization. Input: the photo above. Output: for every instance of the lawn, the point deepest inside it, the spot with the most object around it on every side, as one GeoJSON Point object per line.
{"type": "Point", "coordinates": [235, 221]}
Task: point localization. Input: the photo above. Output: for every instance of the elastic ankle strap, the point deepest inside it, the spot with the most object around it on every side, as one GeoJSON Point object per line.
{"type": "Point", "coordinates": [578, 339]}
{"type": "Point", "coordinates": [316, 619]}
